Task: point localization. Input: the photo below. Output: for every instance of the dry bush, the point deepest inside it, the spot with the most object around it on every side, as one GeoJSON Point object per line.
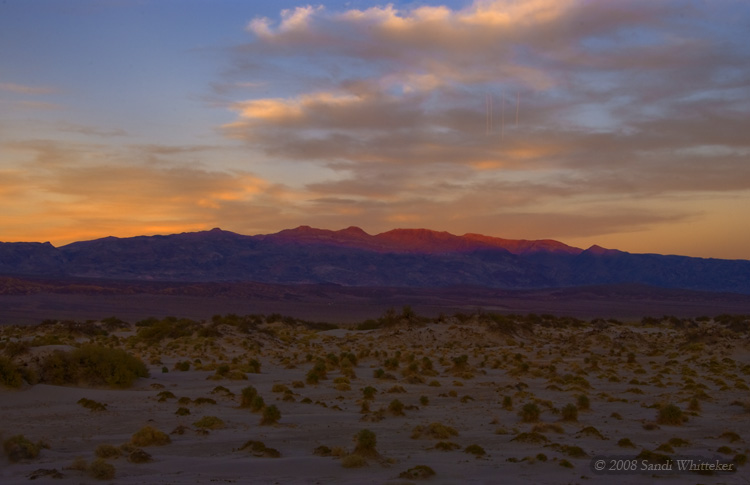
{"type": "Point", "coordinates": [19, 448]}
{"type": "Point", "coordinates": [149, 436]}
{"type": "Point", "coordinates": [101, 470]}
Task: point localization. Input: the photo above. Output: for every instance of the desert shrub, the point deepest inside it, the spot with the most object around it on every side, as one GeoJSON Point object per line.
{"type": "Point", "coordinates": [247, 395]}
{"type": "Point", "coordinates": [164, 395]}
{"type": "Point", "coordinates": [731, 436]}
{"type": "Point", "coordinates": [424, 400]}
{"type": "Point", "coordinates": [573, 451]}
{"type": "Point", "coordinates": [92, 365]}
{"type": "Point", "coordinates": [107, 451]}
{"type": "Point", "coordinates": [19, 448]}
{"type": "Point", "coordinates": [529, 413]}
{"type": "Point", "coordinates": [366, 442]}
{"type": "Point", "coordinates": [92, 405]}
{"type": "Point", "coordinates": [548, 427]}
{"type": "Point", "coordinates": [566, 464]}
{"type": "Point", "coordinates": [418, 472]}
{"type": "Point", "coordinates": [209, 422]}
{"type": "Point", "coordinates": [570, 412]}
{"type": "Point", "coordinates": [434, 430]}
{"type": "Point", "coordinates": [182, 366]}
{"type": "Point", "coordinates": [259, 449]}
{"type": "Point", "coordinates": [101, 470]}
{"type": "Point", "coordinates": [591, 431]}
{"type": "Point", "coordinates": [446, 446]}
{"type": "Point", "coordinates": [508, 403]}
{"type": "Point", "coordinates": [653, 456]}
{"type": "Point", "coordinates": [149, 436]}
{"type": "Point", "coordinates": [253, 366]}
{"type": "Point", "coordinates": [257, 403]}
{"type": "Point", "coordinates": [139, 456]}
{"type": "Point", "coordinates": [678, 442]}
{"type": "Point", "coordinates": [322, 450]}
{"type": "Point", "coordinates": [396, 407]}
{"type": "Point", "coordinates": [369, 393]}
{"type": "Point", "coordinates": [583, 403]}
{"type": "Point", "coordinates": [670, 414]}
{"type": "Point", "coordinates": [625, 443]}
{"type": "Point", "coordinates": [204, 400]}
{"type": "Point", "coordinates": [475, 450]}
{"type": "Point", "coordinates": [182, 411]}
{"type": "Point", "coordinates": [271, 415]}
{"type": "Point", "coordinates": [79, 464]}
{"type": "Point", "coordinates": [353, 461]}
{"type": "Point", "coordinates": [9, 374]}
{"type": "Point", "coordinates": [533, 437]}
{"type": "Point", "coordinates": [279, 388]}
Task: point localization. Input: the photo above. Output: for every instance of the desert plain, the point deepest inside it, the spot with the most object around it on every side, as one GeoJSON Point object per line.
{"type": "Point", "coordinates": [461, 398]}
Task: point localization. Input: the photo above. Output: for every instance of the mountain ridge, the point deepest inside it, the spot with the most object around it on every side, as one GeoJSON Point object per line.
{"type": "Point", "coordinates": [352, 257]}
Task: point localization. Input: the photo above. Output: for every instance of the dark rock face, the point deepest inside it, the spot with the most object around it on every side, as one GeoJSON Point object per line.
{"type": "Point", "coordinates": [351, 257]}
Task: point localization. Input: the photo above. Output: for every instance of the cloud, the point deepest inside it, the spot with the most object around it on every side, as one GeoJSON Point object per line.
{"type": "Point", "coordinates": [26, 89]}
{"type": "Point", "coordinates": [68, 191]}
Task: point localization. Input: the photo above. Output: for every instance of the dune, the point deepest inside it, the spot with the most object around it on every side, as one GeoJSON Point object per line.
{"type": "Point", "coordinates": [461, 399]}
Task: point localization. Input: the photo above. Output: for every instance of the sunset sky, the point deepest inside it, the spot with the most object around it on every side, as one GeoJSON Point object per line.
{"type": "Point", "coordinates": [619, 123]}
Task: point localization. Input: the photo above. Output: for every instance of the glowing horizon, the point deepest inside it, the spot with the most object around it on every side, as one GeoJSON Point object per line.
{"type": "Point", "coordinates": [620, 124]}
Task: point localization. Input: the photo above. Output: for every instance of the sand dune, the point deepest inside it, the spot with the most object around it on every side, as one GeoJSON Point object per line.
{"type": "Point", "coordinates": [468, 390]}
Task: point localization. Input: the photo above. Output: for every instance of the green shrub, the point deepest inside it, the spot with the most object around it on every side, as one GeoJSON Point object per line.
{"type": "Point", "coordinates": [570, 412]}
{"type": "Point", "coordinates": [257, 404]}
{"type": "Point", "coordinates": [271, 415]}
{"type": "Point", "coordinates": [475, 450]}
{"type": "Point", "coordinates": [19, 448]}
{"type": "Point", "coordinates": [529, 413]}
{"type": "Point", "coordinates": [92, 405]}
{"type": "Point", "coordinates": [149, 436]}
{"type": "Point", "coordinates": [107, 451]}
{"type": "Point", "coordinates": [259, 449]}
{"type": "Point", "coordinates": [209, 422]}
{"type": "Point", "coordinates": [670, 414]}
{"type": "Point", "coordinates": [447, 446]}
{"type": "Point", "coordinates": [9, 375]}
{"type": "Point", "coordinates": [625, 443]}
{"type": "Point", "coordinates": [139, 456]}
{"type": "Point", "coordinates": [369, 392]}
{"type": "Point", "coordinates": [366, 442]}
{"type": "Point", "coordinates": [92, 365]}
{"type": "Point", "coordinates": [396, 407]}
{"type": "Point", "coordinates": [434, 430]}
{"type": "Point", "coordinates": [353, 461]}
{"type": "Point", "coordinates": [247, 395]}
{"type": "Point", "coordinates": [418, 472]}
{"type": "Point", "coordinates": [101, 470]}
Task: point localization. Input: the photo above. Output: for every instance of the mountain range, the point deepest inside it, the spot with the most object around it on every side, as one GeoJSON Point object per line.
{"type": "Point", "coordinates": [415, 258]}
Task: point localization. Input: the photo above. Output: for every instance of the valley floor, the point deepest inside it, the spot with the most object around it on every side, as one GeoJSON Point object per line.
{"type": "Point", "coordinates": [471, 398]}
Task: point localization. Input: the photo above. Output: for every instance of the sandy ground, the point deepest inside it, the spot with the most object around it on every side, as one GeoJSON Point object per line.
{"type": "Point", "coordinates": [625, 370]}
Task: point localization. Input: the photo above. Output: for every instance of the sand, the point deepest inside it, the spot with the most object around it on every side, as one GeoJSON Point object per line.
{"type": "Point", "coordinates": [626, 370]}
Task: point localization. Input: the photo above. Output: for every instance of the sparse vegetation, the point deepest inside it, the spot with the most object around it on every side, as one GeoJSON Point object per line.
{"type": "Point", "coordinates": [19, 448]}
{"type": "Point", "coordinates": [150, 436]}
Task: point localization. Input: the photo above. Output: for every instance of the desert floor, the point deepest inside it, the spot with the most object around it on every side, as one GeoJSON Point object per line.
{"type": "Point", "coordinates": [601, 390]}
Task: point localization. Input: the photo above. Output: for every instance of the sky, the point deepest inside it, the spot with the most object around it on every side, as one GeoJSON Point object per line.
{"type": "Point", "coordinates": [619, 123]}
